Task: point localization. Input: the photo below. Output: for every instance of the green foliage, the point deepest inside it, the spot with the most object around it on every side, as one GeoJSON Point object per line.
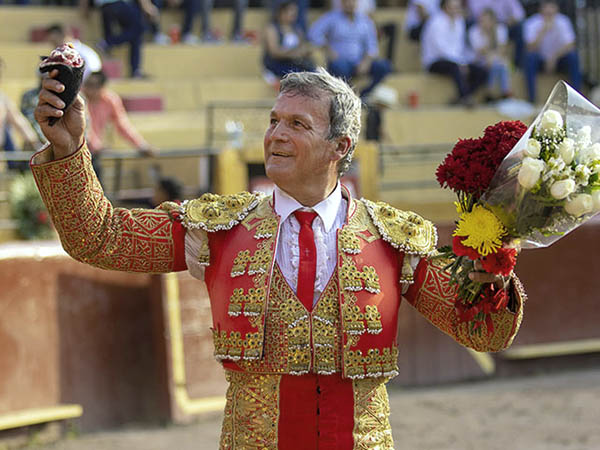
{"type": "Point", "coordinates": [28, 210]}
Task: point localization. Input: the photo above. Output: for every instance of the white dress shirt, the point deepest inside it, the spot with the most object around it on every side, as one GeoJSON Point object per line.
{"type": "Point", "coordinates": [331, 215]}
{"type": "Point", "coordinates": [561, 34]}
{"type": "Point", "coordinates": [444, 38]}
{"type": "Point", "coordinates": [412, 18]}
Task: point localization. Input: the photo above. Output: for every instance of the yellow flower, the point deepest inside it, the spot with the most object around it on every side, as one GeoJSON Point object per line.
{"type": "Point", "coordinates": [482, 229]}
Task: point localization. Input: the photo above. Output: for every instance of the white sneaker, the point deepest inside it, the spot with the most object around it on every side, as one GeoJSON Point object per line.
{"type": "Point", "coordinates": [190, 39]}
{"type": "Point", "coordinates": [161, 39]}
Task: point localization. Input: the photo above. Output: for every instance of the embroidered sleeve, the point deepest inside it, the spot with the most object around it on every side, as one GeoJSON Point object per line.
{"type": "Point", "coordinates": [94, 232]}
{"type": "Point", "coordinates": [432, 295]}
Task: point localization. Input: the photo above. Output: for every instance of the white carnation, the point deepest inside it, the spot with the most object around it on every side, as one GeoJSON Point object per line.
{"type": "Point", "coordinates": [582, 174]}
{"type": "Point", "coordinates": [584, 136]}
{"type": "Point", "coordinates": [579, 205]}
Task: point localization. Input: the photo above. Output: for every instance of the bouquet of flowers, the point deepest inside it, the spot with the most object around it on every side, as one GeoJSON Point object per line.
{"type": "Point", "coordinates": [519, 187]}
{"type": "Point", "coordinates": [28, 210]}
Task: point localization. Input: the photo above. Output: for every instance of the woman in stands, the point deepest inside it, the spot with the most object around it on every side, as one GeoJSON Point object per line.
{"type": "Point", "coordinates": [285, 47]}
{"type": "Point", "coordinates": [489, 40]}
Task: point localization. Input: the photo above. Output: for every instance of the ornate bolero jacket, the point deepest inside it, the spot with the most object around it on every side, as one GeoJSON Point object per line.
{"type": "Point", "coordinates": [384, 255]}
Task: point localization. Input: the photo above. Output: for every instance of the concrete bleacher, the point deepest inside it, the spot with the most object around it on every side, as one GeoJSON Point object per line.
{"type": "Point", "coordinates": [189, 79]}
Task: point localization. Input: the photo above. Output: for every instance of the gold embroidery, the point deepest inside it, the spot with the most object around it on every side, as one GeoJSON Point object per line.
{"type": "Point", "coordinates": [251, 412]}
{"type": "Point", "coordinates": [348, 242]}
{"type": "Point", "coordinates": [235, 302]}
{"type": "Point", "coordinates": [213, 212]}
{"type": "Point", "coordinates": [403, 230]}
{"type": "Point", "coordinates": [266, 228]}
{"type": "Point", "coordinates": [239, 263]}
{"type": "Point", "coordinates": [234, 347]}
{"type": "Point", "coordinates": [371, 279]}
{"type": "Point", "coordinates": [372, 428]}
{"type": "Point", "coordinates": [260, 261]}
{"type": "Point", "coordinates": [94, 232]}
{"type": "Point", "coordinates": [373, 318]}
{"type": "Point", "coordinates": [373, 364]}
{"type": "Point", "coordinates": [254, 302]}
{"type": "Point", "coordinates": [354, 320]}
{"type": "Point", "coordinates": [435, 300]}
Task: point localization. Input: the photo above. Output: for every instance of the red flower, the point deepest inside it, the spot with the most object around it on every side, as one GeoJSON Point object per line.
{"type": "Point", "coordinates": [462, 250]}
{"type": "Point", "coordinates": [501, 263]}
{"type": "Point", "coordinates": [42, 217]}
{"type": "Point", "coordinates": [472, 163]}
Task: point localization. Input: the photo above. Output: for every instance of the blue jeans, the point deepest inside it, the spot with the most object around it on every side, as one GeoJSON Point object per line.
{"type": "Point", "coordinates": [204, 7]}
{"type": "Point", "coordinates": [498, 73]}
{"type": "Point", "coordinates": [128, 17]}
{"type": "Point", "coordinates": [345, 69]}
{"type": "Point", "coordinates": [534, 62]}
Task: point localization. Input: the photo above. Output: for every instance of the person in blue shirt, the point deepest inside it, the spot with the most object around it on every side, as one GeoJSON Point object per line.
{"type": "Point", "coordinates": [349, 39]}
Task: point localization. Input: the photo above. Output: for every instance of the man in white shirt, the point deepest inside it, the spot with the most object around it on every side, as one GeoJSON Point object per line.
{"type": "Point", "coordinates": [550, 40]}
{"type": "Point", "coordinates": [444, 51]}
{"type": "Point", "coordinates": [305, 284]}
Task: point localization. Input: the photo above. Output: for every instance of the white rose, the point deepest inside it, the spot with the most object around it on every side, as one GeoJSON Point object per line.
{"type": "Point", "coordinates": [551, 121]}
{"type": "Point", "coordinates": [561, 189]}
{"type": "Point", "coordinates": [596, 200]}
{"type": "Point", "coordinates": [533, 148]}
{"type": "Point", "coordinates": [530, 171]}
{"type": "Point", "coordinates": [579, 205]}
{"type": "Point", "coordinates": [566, 150]}
{"type": "Point", "coordinates": [584, 135]}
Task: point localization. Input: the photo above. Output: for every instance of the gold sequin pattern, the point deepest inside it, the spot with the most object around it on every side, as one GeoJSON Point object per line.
{"type": "Point", "coordinates": [404, 230]}
{"type": "Point", "coordinates": [251, 414]}
{"type": "Point", "coordinates": [372, 430]}
{"type": "Point", "coordinates": [213, 212]}
{"type": "Point", "coordinates": [94, 232]}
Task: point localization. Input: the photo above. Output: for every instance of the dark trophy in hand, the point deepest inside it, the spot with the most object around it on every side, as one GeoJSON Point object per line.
{"type": "Point", "coordinates": [70, 65]}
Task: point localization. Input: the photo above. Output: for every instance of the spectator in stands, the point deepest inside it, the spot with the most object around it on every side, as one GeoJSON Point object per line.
{"type": "Point", "coordinates": [508, 12]}
{"type": "Point", "coordinates": [386, 29]}
{"type": "Point", "coordinates": [191, 8]}
{"type": "Point", "coordinates": [285, 47]}
{"type": "Point", "coordinates": [153, 24]}
{"type": "Point", "coordinates": [106, 107]}
{"type": "Point", "coordinates": [550, 40]}
{"type": "Point", "coordinates": [127, 16]}
{"type": "Point", "coordinates": [444, 51]}
{"type": "Point", "coordinates": [489, 39]}
{"type": "Point", "coordinates": [57, 35]}
{"type": "Point", "coordinates": [301, 20]}
{"type": "Point", "coordinates": [11, 117]}
{"type": "Point", "coordinates": [417, 13]}
{"type": "Point", "coordinates": [350, 41]}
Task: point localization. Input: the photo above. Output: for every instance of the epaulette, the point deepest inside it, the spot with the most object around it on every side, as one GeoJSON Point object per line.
{"type": "Point", "coordinates": [212, 212]}
{"type": "Point", "coordinates": [404, 230]}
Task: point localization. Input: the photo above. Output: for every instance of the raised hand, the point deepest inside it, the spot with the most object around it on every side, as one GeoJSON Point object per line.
{"type": "Point", "coordinates": [66, 135]}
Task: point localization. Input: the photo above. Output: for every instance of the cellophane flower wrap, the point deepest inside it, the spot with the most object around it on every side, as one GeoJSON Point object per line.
{"type": "Point", "coordinates": [520, 187]}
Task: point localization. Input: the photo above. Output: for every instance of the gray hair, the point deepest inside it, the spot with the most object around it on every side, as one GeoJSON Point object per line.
{"type": "Point", "coordinates": [344, 109]}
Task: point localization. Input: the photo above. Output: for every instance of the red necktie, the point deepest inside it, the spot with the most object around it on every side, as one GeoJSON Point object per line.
{"type": "Point", "coordinates": [307, 269]}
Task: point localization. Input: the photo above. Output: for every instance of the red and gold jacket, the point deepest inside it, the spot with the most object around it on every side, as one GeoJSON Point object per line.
{"type": "Point", "coordinates": [352, 329]}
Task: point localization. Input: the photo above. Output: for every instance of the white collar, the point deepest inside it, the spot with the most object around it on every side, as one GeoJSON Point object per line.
{"type": "Point", "coordinates": [327, 209]}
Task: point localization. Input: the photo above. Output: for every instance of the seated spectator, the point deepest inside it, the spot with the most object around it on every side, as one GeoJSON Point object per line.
{"type": "Point", "coordinates": [11, 118]}
{"type": "Point", "coordinates": [285, 47]}
{"type": "Point", "coordinates": [106, 107]}
{"type": "Point", "coordinates": [417, 13]}
{"type": "Point", "coordinates": [152, 24]}
{"type": "Point", "coordinates": [508, 12]}
{"type": "Point", "coordinates": [350, 41]}
{"type": "Point", "coordinates": [57, 35]}
{"type": "Point", "coordinates": [386, 29]}
{"type": "Point", "coordinates": [302, 5]}
{"type": "Point", "coordinates": [444, 51]}
{"type": "Point", "coordinates": [550, 40]}
{"type": "Point", "coordinates": [488, 39]}
{"type": "Point", "coordinates": [191, 8]}
{"type": "Point", "coordinates": [127, 17]}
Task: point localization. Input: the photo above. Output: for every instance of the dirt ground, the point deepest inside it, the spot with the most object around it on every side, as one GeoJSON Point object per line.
{"type": "Point", "coordinates": [547, 412]}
